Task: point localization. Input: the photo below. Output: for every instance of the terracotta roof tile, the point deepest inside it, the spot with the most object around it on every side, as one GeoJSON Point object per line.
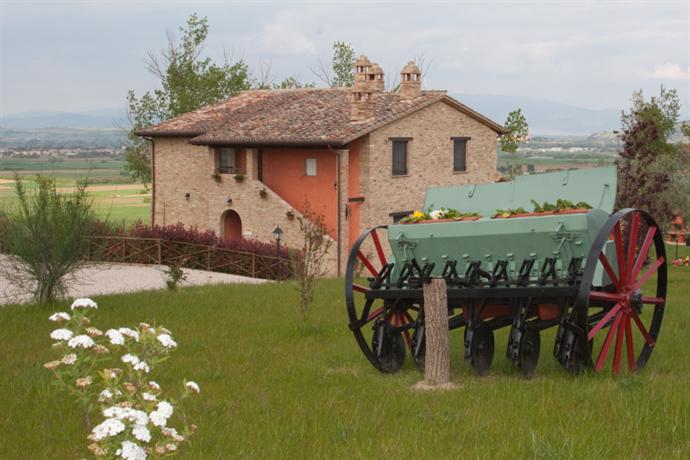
{"type": "Point", "coordinates": [293, 117]}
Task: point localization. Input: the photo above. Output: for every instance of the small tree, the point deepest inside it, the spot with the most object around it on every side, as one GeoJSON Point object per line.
{"type": "Point", "coordinates": [342, 72]}
{"type": "Point", "coordinates": [46, 238]}
{"type": "Point", "coordinates": [309, 263]}
{"type": "Point", "coordinates": [518, 132]}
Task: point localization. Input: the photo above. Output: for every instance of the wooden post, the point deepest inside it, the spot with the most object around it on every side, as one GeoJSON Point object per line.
{"type": "Point", "coordinates": [159, 251]}
{"type": "Point", "coordinates": [437, 358]}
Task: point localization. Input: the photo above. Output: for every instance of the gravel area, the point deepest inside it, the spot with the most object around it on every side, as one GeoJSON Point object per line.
{"type": "Point", "coordinates": [109, 278]}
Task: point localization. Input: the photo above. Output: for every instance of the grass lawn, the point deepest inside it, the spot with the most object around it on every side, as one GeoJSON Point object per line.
{"type": "Point", "coordinates": [272, 388]}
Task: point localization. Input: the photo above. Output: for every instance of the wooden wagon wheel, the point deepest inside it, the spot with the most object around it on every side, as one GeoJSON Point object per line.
{"type": "Point", "coordinates": [627, 312]}
{"type": "Point", "coordinates": [390, 324]}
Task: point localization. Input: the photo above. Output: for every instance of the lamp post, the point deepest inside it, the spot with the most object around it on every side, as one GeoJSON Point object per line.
{"type": "Point", "coordinates": [277, 233]}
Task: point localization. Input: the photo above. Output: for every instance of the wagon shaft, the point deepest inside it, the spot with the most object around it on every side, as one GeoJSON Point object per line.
{"type": "Point", "coordinates": [584, 271]}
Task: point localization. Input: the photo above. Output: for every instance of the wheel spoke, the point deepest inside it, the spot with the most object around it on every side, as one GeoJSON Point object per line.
{"type": "Point", "coordinates": [618, 241]}
{"type": "Point", "coordinates": [608, 296]}
{"type": "Point", "coordinates": [648, 338]}
{"type": "Point", "coordinates": [379, 249]}
{"type": "Point", "coordinates": [644, 250]}
{"type": "Point", "coordinates": [632, 244]}
{"type": "Point", "coordinates": [643, 279]}
{"type": "Point", "coordinates": [373, 315]}
{"type": "Point", "coordinates": [359, 288]}
{"type": "Point", "coordinates": [607, 317]}
{"type": "Point", "coordinates": [653, 300]}
{"type": "Point", "coordinates": [366, 263]}
{"type": "Point", "coordinates": [607, 344]}
{"type": "Point", "coordinates": [629, 345]}
{"type": "Point", "coordinates": [619, 345]}
{"type": "Point", "coordinates": [609, 270]}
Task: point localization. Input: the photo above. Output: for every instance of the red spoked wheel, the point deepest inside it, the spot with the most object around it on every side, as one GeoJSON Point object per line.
{"type": "Point", "coordinates": [382, 329]}
{"type": "Point", "coordinates": [627, 313]}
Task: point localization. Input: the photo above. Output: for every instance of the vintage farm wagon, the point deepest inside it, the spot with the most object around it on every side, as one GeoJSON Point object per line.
{"type": "Point", "coordinates": [600, 278]}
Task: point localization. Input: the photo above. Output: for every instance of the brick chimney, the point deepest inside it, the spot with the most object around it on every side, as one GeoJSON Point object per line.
{"type": "Point", "coordinates": [410, 81]}
{"type": "Point", "coordinates": [368, 81]}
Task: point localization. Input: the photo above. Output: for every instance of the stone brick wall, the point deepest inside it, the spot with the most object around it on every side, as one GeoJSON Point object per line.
{"type": "Point", "coordinates": [429, 160]}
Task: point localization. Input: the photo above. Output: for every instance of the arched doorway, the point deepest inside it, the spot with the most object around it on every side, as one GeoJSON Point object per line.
{"type": "Point", "coordinates": [232, 226]}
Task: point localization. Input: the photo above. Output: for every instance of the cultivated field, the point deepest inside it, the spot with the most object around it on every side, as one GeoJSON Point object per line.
{"type": "Point", "coordinates": [272, 388]}
{"type": "Point", "coordinates": [115, 197]}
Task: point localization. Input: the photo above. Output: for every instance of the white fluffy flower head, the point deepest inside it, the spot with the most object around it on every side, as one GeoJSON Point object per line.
{"type": "Point", "coordinates": [61, 334]}
{"type": "Point", "coordinates": [81, 341]}
{"type": "Point", "coordinates": [167, 341]}
{"type": "Point", "coordinates": [69, 359]}
{"type": "Point", "coordinates": [141, 433]}
{"type": "Point", "coordinates": [131, 359]}
{"type": "Point", "coordinates": [129, 333]}
{"type": "Point", "coordinates": [83, 303]}
{"type": "Point", "coordinates": [59, 316]}
{"type": "Point", "coordinates": [115, 337]}
{"type": "Point", "coordinates": [160, 416]}
{"type": "Point", "coordinates": [148, 396]}
{"type": "Point", "coordinates": [142, 366]}
{"type": "Point", "coordinates": [131, 451]}
{"type": "Point", "coordinates": [109, 427]}
{"type": "Point", "coordinates": [193, 386]}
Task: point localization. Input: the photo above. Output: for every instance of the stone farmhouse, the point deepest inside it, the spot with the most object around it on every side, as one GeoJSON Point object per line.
{"type": "Point", "coordinates": [360, 156]}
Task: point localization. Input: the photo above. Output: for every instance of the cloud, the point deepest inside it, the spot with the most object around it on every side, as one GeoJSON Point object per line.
{"type": "Point", "coordinates": [669, 71]}
{"type": "Point", "coordinates": [283, 37]}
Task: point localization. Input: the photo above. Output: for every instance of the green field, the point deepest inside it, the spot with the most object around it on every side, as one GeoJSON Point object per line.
{"type": "Point", "coordinates": [115, 196]}
{"type": "Point", "coordinates": [272, 388]}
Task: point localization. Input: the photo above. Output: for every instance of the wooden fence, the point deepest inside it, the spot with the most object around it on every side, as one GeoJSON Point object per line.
{"type": "Point", "coordinates": [126, 249]}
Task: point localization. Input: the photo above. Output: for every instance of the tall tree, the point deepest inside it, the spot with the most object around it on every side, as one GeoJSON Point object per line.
{"type": "Point", "coordinates": [652, 171]}
{"type": "Point", "coordinates": [518, 132]}
{"type": "Point", "coordinates": [341, 72]}
{"type": "Point", "coordinates": [188, 81]}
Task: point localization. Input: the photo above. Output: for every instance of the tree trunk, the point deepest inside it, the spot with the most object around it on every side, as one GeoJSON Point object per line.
{"type": "Point", "coordinates": [437, 360]}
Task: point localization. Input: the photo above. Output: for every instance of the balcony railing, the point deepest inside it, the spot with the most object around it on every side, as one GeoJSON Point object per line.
{"type": "Point", "coordinates": [231, 170]}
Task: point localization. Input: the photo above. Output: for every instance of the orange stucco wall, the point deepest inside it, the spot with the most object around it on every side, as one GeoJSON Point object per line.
{"type": "Point", "coordinates": [353, 192]}
{"type": "Point", "coordinates": [284, 172]}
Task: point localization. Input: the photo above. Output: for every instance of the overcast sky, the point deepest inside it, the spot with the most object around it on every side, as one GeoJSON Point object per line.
{"type": "Point", "coordinates": [83, 55]}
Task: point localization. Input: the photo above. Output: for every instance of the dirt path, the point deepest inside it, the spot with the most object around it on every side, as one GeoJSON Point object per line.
{"type": "Point", "coordinates": [100, 279]}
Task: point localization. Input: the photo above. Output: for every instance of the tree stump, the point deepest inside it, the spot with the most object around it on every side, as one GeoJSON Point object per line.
{"type": "Point", "coordinates": [437, 358]}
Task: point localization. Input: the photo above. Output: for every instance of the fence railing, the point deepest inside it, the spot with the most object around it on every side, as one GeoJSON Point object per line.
{"type": "Point", "coordinates": [126, 249]}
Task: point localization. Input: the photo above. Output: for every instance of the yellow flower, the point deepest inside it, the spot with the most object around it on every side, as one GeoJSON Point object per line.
{"type": "Point", "coordinates": [417, 215]}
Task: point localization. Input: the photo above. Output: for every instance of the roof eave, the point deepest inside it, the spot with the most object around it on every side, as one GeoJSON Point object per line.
{"type": "Point", "coordinates": [500, 129]}
{"type": "Point", "coordinates": [268, 143]}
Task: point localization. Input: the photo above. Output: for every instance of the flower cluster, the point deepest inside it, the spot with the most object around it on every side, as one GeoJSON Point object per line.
{"type": "Point", "coordinates": [439, 214]}
{"type": "Point", "coordinates": [110, 374]}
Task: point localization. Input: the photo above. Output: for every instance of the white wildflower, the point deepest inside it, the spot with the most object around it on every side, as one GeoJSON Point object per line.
{"type": "Point", "coordinates": [167, 341]}
{"type": "Point", "coordinates": [110, 427]}
{"type": "Point", "coordinates": [69, 359]}
{"type": "Point", "coordinates": [81, 341]}
{"type": "Point", "coordinates": [127, 413]}
{"type": "Point", "coordinates": [171, 447]}
{"type": "Point", "coordinates": [193, 386]}
{"type": "Point", "coordinates": [142, 366]}
{"type": "Point", "coordinates": [154, 386]}
{"type": "Point", "coordinates": [160, 416]}
{"type": "Point", "coordinates": [148, 396]}
{"type": "Point", "coordinates": [437, 214]}
{"type": "Point", "coordinates": [59, 316]}
{"type": "Point", "coordinates": [94, 331]}
{"type": "Point", "coordinates": [129, 333]}
{"type": "Point", "coordinates": [115, 336]}
{"type": "Point", "coordinates": [61, 334]}
{"type": "Point", "coordinates": [130, 358]}
{"type": "Point", "coordinates": [105, 394]}
{"type": "Point", "coordinates": [83, 303]}
{"type": "Point", "coordinates": [131, 451]}
{"type": "Point", "coordinates": [172, 433]}
{"type": "Point", "coordinates": [141, 433]}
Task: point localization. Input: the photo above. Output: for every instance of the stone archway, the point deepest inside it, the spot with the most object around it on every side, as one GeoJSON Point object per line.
{"type": "Point", "coordinates": [232, 226]}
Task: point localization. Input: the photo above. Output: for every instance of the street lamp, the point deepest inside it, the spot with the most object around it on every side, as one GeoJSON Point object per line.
{"type": "Point", "coordinates": [277, 233]}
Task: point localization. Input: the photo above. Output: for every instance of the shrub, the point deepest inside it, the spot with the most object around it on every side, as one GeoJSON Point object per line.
{"type": "Point", "coordinates": [110, 375]}
{"type": "Point", "coordinates": [46, 237]}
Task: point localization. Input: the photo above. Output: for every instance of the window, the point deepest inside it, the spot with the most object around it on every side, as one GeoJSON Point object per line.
{"type": "Point", "coordinates": [399, 157]}
{"type": "Point", "coordinates": [310, 167]}
{"type": "Point", "coordinates": [460, 154]}
{"type": "Point", "coordinates": [227, 160]}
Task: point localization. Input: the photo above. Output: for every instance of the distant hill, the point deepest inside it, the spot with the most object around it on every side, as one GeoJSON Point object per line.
{"type": "Point", "coordinates": [46, 138]}
{"type": "Point", "coordinates": [543, 116]}
{"type": "Point", "coordinates": [102, 118]}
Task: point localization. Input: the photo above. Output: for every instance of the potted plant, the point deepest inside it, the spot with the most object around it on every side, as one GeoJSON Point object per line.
{"type": "Point", "coordinates": [263, 193]}
{"type": "Point", "coordinates": [239, 178]}
{"type": "Point", "coordinates": [290, 215]}
{"type": "Point", "coordinates": [216, 176]}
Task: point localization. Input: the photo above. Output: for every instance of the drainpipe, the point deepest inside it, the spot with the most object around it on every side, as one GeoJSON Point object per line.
{"type": "Point", "coordinates": [338, 207]}
{"type": "Point", "coordinates": [153, 178]}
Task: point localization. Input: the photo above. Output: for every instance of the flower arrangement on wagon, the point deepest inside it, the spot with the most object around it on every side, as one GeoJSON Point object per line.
{"type": "Point", "coordinates": [439, 215]}
{"type": "Point", "coordinates": [111, 375]}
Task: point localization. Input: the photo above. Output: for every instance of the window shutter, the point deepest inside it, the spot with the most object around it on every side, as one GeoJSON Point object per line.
{"type": "Point", "coordinates": [310, 167]}
{"type": "Point", "coordinates": [399, 157]}
{"type": "Point", "coordinates": [460, 155]}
